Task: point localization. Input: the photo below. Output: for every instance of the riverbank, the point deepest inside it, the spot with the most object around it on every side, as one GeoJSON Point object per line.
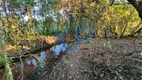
{"type": "Point", "coordinates": [97, 59]}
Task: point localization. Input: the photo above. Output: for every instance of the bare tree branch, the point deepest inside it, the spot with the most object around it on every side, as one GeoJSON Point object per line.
{"type": "Point", "coordinates": [5, 10]}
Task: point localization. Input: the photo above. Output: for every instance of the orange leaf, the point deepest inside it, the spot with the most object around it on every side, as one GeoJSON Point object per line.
{"type": "Point", "coordinates": [49, 39]}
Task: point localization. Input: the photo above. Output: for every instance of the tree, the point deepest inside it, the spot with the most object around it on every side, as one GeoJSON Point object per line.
{"type": "Point", "coordinates": [138, 6]}
{"type": "Point", "coordinates": [6, 61]}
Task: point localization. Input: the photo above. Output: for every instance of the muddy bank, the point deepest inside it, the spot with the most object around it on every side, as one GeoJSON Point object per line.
{"type": "Point", "coordinates": [97, 59]}
{"type": "Point", "coordinates": [23, 65]}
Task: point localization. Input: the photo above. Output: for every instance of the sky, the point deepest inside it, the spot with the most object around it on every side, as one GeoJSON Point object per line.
{"type": "Point", "coordinates": [36, 9]}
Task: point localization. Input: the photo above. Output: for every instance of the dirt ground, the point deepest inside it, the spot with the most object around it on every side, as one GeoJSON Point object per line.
{"type": "Point", "coordinates": [97, 59]}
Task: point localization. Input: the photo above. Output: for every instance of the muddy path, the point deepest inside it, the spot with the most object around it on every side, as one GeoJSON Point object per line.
{"type": "Point", "coordinates": [97, 59]}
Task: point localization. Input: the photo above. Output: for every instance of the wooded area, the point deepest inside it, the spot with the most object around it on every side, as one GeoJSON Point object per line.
{"type": "Point", "coordinates": [27, 26]}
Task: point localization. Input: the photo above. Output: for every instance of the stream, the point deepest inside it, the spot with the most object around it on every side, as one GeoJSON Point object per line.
{"type": "Point", "coordinates": [24, 66]}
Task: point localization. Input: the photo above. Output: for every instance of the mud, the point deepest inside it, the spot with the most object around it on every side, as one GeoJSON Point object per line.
{"type": "Point", "coordinates": [97, 59]}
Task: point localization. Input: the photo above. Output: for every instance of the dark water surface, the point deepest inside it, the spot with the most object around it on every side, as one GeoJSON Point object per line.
{"type": "Point", "coordinates": [23, 67]}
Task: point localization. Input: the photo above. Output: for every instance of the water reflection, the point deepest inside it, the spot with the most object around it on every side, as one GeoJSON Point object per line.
{"type": "Point", "coordinates": [30, 63]}
{"type": "Point", "coordinates": [60, 48]}
{"type": "Point", "coordinates": [34, 62]}
{"type": "Point", "coordinates": [42, 56]}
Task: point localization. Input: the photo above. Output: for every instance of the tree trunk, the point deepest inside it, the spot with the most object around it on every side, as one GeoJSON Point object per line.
{"type": "Point", "coordinates": [137, 6]}
{"type": "Point", "coordinates": [6, 61]}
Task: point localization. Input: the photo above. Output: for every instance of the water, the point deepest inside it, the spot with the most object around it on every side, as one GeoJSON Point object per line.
{"type": "Point", "coordinates": [30, 63]}
{"type": "Point", "coordinates": [60, 48]}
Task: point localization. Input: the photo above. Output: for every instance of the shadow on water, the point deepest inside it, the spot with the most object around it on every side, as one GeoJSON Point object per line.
{"type": "Point", "coordinates": [21, 68]}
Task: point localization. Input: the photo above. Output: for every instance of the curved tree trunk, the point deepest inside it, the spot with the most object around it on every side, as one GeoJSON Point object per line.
{"type": "Point", "coordinates": [137, 6]}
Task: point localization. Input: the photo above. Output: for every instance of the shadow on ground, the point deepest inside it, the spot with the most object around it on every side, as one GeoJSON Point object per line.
{"type": "Point", "coordinates": [97, 59]}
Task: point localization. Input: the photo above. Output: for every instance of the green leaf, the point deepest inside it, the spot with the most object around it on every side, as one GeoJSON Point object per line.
{"type": "Point", "coordinates": [108, 45]}
{"type": "Point", "coordinates": [29, 2]}
{"type": "Point", "coordinates": [118, 36]}
{"type": "Point", "coordinates": [19, 1]}
{"type": "Point", "coordinates": [132, 78]}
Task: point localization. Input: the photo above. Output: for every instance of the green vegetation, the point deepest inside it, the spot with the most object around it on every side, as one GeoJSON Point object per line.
{"type": "Point", "coordinates": [41, 65]}
{"type": "Point", "coordinates": [28, 20]}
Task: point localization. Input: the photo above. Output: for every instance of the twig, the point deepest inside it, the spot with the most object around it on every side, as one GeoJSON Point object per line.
{"type": "Point", "coordinates": [134, 31]}
{"type": "Point", "coordinates": [44, 73]}
{"type": "Point", "coordinates": [61, 72]}
{"type": "Point", "coordinates": [21, 73]}
{"type": "Point", "coordinates": [131, 53]}
{"type": "Point", "coordinates": [135, 59]}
